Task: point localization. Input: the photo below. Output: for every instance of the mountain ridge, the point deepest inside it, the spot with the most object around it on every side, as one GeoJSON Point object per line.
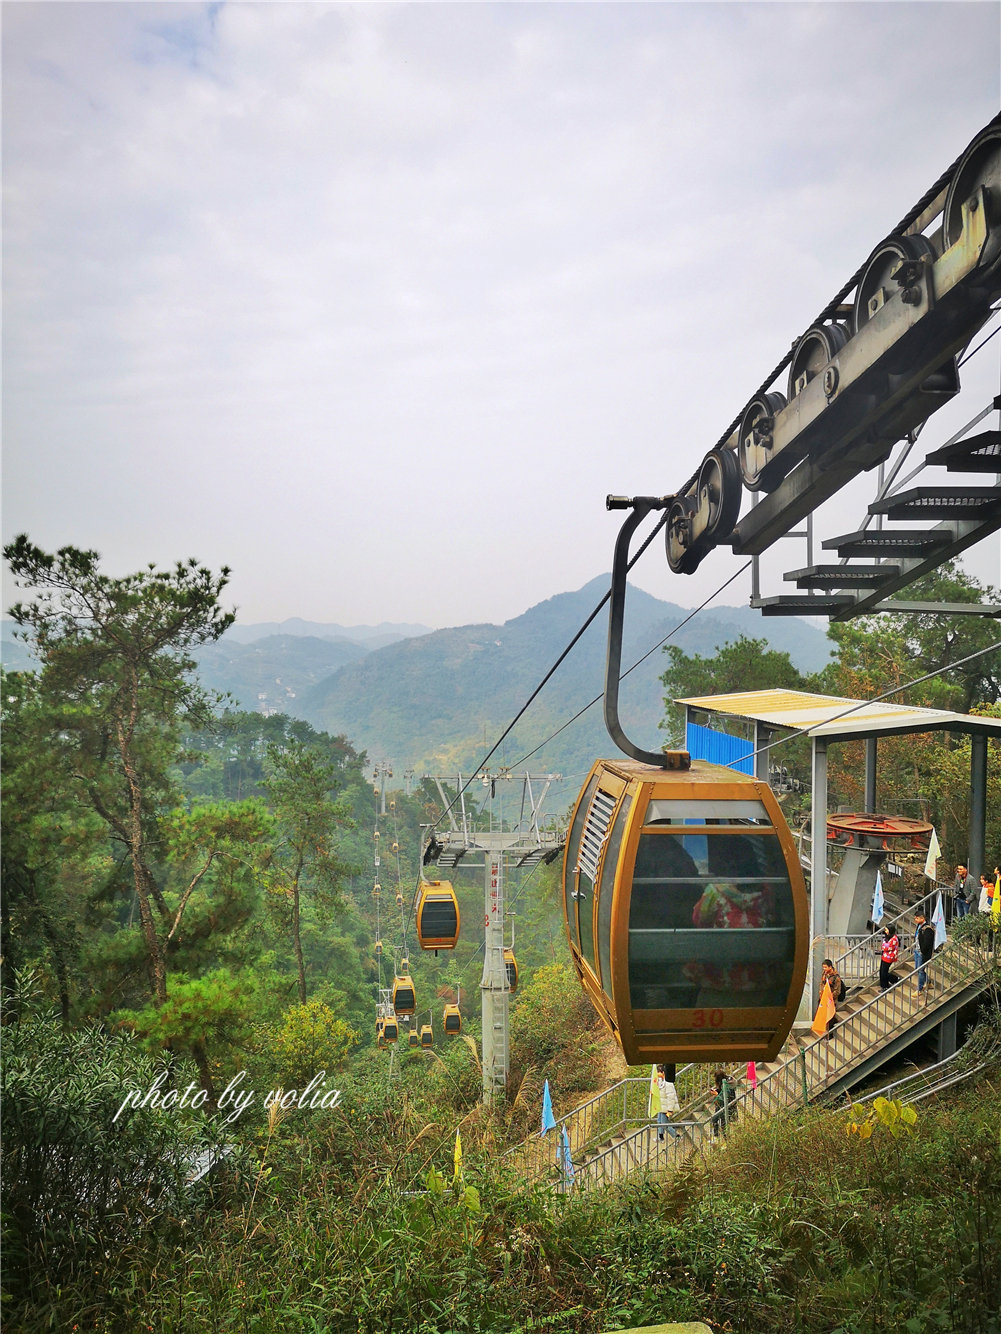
{"type": "Point", "coordinates": [441, 700]}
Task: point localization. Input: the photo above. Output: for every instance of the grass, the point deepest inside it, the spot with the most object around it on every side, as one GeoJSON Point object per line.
{"type": "Point", "coordinates": [792, 1225]}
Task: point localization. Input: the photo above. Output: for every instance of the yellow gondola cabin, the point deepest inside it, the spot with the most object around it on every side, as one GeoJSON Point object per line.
{"type": "Point", "coordinates": [452, 1020]}
{"type": "Point", "coordinates": [390, 1030]}
{"type": "Point", "coordinates": [686, 911]}
{"type": "Point", "coordinates": [404, 996]}
{"type": "Point", "coordinates": [511, 964]}
{"type": "Point", "coordinates": [437, 916]}
{"type": "Point", "coordinates": [427, 1036]}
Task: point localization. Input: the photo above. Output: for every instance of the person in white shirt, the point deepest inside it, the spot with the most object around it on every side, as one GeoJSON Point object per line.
{"type": "Point", "coordinates": [669, 1103]}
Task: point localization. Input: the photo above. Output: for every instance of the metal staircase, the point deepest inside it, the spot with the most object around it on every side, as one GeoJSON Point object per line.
{"type": "Point", "coordinates": [611, 1135]}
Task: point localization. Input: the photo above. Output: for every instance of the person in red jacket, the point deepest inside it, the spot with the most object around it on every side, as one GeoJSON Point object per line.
{"type": "Point", "coordinates": [891, 948]}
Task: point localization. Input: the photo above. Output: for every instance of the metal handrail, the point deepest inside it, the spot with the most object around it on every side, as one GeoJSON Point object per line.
{"type": "Point", "coordinates": [794, 1082]}
{"type": "Point", "coordinates": [587, 1123]}
{"type": "Point", "coordinates": [865, 947]}
{"type": "Point", "coordinates": [926, 1082]}
{"type": "Point", "coordinates": [850, 1041]}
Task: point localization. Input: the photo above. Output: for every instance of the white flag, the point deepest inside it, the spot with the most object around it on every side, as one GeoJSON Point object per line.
{"type": "Point", "coordinates": [934, 852]}
{"type": "Point", "coordinates": [938, 920]}
{"type": "Point", "coordinates": [877, 901]}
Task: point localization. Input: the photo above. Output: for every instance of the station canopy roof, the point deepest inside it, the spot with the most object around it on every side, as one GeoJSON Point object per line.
{"type": "Point", "coordinates": [832, 716]}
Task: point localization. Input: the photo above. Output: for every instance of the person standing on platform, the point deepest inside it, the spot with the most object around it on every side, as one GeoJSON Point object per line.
{"type": "Point", "coordinates": [924, 948]}
{"type": "Point", "coordinates": [961, 889]}
{"type": "Point", "coordinates": [669, 1103]}
{"type": "Point", "coordinates": [888, 957]}
{"type": "Point", "coordinates": [986, 893]}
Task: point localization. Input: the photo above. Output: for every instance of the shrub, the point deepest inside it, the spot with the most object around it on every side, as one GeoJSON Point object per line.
{"type": "Point", "coordinates": [82, 1175]}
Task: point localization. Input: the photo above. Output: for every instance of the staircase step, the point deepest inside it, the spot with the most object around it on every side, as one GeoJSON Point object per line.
{"type": "Point", "coordinates": [977, 453]}
{"type": "Point", "coordinates": [934, 502]}
{"type": "Point", "coordinates": [888, 542]}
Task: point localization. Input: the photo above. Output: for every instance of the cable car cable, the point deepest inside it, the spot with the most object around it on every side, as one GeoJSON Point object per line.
{"type": "Point", "coordinates": [980, 345]}
{"type": "Point", "coordinates": [573, 643]}
{"type": "Point", "coordinates": [597, 698]}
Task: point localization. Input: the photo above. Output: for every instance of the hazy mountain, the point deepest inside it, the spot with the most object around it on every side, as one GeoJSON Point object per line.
{"type": "Point", "coordinates": [369, 636]}
{"type": "Point", "coordinates": [269, 675]}
{"type": "Point", "coordinates": [15, 654]}
{"type": "Point", "coordinates": [439, 701]}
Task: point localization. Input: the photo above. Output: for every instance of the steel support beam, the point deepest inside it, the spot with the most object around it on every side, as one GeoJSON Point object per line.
{"type": "Point", "coordinates": [762, 736]}
{"type": "Point", "coordinates": [978, 806]}
{"type": "Point", "coordinates": [818, 865]}
{"type": "Point", "coordinates": [870, 775]}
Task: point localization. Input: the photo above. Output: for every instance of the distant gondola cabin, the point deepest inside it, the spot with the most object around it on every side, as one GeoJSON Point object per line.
{"type": "Point", "coordinates": [427, 1035]}
{"type": "Point", "coordinates": [437, 916]}
{"type": "Point", "coordinates": [452, 1020]}
{"type": "Point", "coordinates": [511, 964]}
{"type": "Point", "coordinates": [414, 1039]}
{"type": "Point", "coordinates": [404, 996]}
{"type": "Point", "coordinates": [378, 949]}
{"type": "Point", "coordinates": [686, 911]}
{"type": "Point", "coordinates": [390, 1030]}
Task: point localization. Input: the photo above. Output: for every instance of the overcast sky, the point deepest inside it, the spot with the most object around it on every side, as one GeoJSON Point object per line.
{"type": "Point", "coordinates": [376, 303]}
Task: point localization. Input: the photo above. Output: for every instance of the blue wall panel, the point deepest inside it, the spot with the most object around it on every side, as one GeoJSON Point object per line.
{"type": "Point", "coordinates": [720, 748]}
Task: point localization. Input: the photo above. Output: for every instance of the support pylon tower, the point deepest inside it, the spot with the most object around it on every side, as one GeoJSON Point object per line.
{"type": "Point", "coordinates": [382, 771]}
{"type": "Point", "coordinates": [532, 839]}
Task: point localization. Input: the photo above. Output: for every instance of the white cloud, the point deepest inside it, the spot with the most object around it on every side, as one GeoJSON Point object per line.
{"type": "Point", "coordinates": [345, 296]}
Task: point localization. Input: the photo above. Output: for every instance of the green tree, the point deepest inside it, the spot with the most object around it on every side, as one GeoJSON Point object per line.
{"type": "Point", "coordinates": [52, 848]}
{"type": "Point", "coordinates": [875, 653]}
{"type": "Point", "coordinates": [745, 664]}
{"type": "Point", "coordinates": [199, 1014]}
{"type": "Point", "coordinates": [305, 855]}
{"type": "Point", "coordinates": [928, 774]}
{"type": "Point", "coordinates": [312, 1038]}
{"type": "Point", "coordinates": [117, 682]}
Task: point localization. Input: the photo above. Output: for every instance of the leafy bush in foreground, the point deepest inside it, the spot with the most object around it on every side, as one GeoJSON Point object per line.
{"type": "Point", "coordinates": [81, 1176]}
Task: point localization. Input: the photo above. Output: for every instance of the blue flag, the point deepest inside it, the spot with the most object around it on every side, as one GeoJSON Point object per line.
{"type": "Point", "coordinates": [938, 918]}
{"type": "Point", "coordinates": [566, 1161]}
{"type": "Point", "coordinates": [877, 901]}
{"type": "Point", "coordinates": [548, 1120]}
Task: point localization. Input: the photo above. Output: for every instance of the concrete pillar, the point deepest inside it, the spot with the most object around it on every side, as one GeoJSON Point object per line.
{"type": "Point", "coordinates": [945, 1038]}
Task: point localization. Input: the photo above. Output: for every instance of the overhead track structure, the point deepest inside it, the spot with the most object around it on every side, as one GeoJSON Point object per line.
{"type": "Point", "coordinates": [879, 360]}
{"type": "Point", "coordinates": [533, 838]}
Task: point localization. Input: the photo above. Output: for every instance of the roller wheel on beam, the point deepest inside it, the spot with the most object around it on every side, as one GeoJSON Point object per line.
{"type": "Point", "coordinates": [759, 471]}
{"type": "Point", "coordinates": [879, 272]}
{"type": "Point", "coordinates": [814, 352]}
{"type": "Point", "coordinates": [719, 495]}
{"type": "Point", "coordinates": [678, 535]}
{"type": "Point", "coordinates": [981, 166]}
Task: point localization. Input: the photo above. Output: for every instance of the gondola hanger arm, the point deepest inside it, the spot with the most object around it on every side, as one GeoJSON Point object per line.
{"type": "Point", "coordinates": [639, 507]}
